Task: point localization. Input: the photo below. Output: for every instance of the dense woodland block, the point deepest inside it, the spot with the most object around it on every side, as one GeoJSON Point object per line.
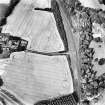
{"type": "Point", "coordinates": [10, 44]}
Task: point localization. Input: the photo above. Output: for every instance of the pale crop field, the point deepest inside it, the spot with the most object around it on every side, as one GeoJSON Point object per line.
{"type": "Point", "coordinates": [32, 77]}
{"type": "Point", "coordinates": [4, 1]}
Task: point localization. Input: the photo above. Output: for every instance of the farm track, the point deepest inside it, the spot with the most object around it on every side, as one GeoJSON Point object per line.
{"type": "Point", "coordinates": [73, 45]}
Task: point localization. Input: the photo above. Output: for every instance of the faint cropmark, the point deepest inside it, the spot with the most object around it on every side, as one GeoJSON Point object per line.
{"type": "Point", "coordinates": [2, 67]}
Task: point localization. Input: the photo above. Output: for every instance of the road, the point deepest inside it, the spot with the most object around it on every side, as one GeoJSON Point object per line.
{"type": "Point", "coordinates": [73, 51]}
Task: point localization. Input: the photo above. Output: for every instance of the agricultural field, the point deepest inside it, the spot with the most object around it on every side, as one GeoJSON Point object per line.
{"type": "Point", "coordinates": [52, 52]}
{"type": "Point", "coordinates": [40, 69]}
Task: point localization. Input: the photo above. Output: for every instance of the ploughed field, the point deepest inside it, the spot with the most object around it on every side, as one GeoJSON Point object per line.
{"type": "Point", "coordinates": [34, 77]}
{"type": "Point", "coordinates": [43, 70]}
{"type": "Point", "coordinates": [63, 50]}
